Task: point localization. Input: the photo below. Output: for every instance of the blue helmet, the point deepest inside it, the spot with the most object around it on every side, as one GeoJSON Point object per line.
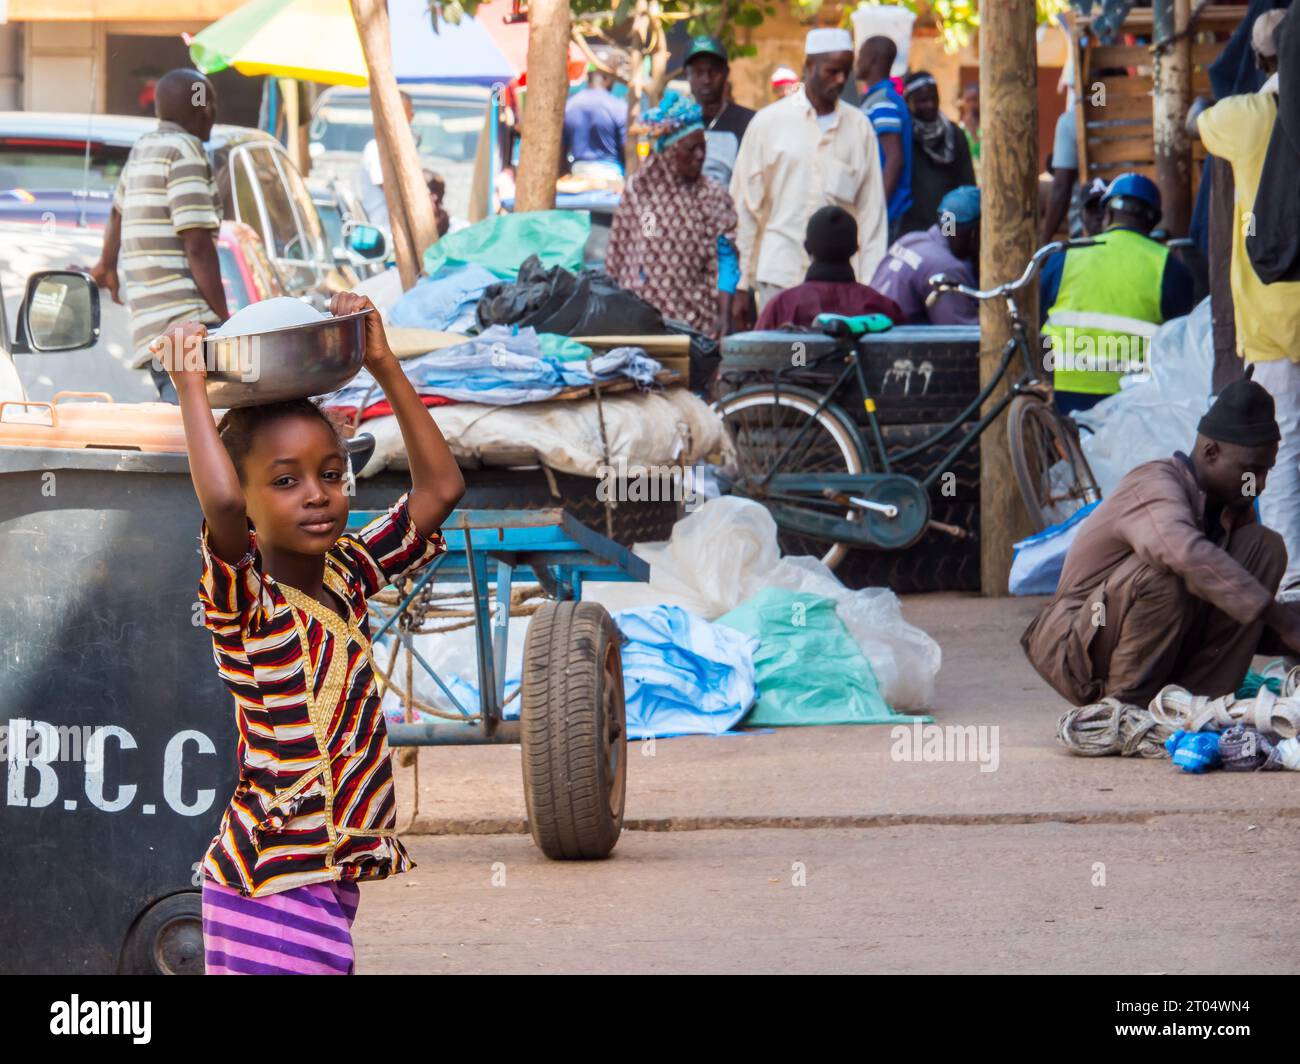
{"type": "Point", "coordinates": [1130, 191]}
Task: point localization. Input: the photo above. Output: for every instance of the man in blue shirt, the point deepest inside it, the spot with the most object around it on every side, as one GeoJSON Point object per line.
{"type": "Point", "coordinates": [889, 116]}
{"type": "Point", "coordinates": [595, 127]}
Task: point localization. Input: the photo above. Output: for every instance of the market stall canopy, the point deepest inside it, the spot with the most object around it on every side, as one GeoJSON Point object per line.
{"type": "Point", "coordinates": [316, 40]}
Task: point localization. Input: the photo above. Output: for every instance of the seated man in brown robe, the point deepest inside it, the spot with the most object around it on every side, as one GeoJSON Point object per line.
{"type": "Point", "coordinates": [1171, 580]}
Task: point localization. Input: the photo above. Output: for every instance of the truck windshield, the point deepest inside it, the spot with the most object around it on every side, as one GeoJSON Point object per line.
{"type": "Point", "coordinates": [38, 163]}
{"type": "Point", "coordinates": [445, 130]}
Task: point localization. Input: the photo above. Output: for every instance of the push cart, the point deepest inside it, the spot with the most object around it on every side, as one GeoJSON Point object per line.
{"type": "Point", "coordinates": [570, 719]}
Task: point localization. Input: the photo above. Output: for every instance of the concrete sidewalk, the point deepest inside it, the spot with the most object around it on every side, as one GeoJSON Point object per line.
{"type": "Point", "coordinates": [845, 777]}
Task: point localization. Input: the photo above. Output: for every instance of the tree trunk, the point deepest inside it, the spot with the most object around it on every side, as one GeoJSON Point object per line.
{"type": "Point", "coordinates": [410, 207]}
{"type": "Point", "coordinates": [543, 120]}
{"type": "Point", "coordinates": [1173, 96]}
{"type": "Point", "coordinates": [1008, 231]}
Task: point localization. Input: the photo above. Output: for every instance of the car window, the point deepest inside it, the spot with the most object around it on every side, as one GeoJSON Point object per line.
{"type": "Point", "coordinates": [332, 219]}
{"type": "Point", "coordinates": [246, 209]}
{"type": "Point", "coordinates": [232, 280]}
{"type": "Point", "coordinates": [308, 219]}
{"type": "Point", "coordinates": [266, 280]}
{"type": "Point", "coordinates": [285, 239]}
{"type": "Point", "coordinates": [37, 163]}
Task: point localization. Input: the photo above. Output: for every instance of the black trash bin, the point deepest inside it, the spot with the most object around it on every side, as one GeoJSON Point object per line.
{"type": "Point", "coordinates": [104, 651]}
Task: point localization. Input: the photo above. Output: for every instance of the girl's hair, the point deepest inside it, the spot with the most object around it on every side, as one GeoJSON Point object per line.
{"type": "Point", "coordinates": [239, 426]}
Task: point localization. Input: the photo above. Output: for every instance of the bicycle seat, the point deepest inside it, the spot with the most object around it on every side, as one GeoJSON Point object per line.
{"type": "Point", "coordinates": [843, 325]}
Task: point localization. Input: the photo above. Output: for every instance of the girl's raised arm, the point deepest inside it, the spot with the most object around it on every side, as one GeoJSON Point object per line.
{"type": "Point", "coordinates": [215, 481]}
{"type": "Point", "coordinates": [436, 481]}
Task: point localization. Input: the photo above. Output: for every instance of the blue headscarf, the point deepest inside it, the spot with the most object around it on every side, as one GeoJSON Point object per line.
{"type": "Point", "coordinates": [674, 118]}
{"type": "Point", "coordinates": [962, 205]}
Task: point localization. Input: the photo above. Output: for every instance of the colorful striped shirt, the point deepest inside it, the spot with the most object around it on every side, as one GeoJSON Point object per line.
{"type": "Point", "coordinates": [166, 187]}
{"type": "Point", "coordinates": [315, 799]}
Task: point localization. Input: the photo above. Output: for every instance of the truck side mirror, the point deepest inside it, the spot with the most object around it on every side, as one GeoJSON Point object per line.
{"type": "Point", "coordinates": [59, 312]}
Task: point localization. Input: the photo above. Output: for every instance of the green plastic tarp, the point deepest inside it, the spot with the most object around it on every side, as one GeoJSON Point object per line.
{"type": "Point", "coordinates": [502, 242]}
{"type": "Point", "coordinates": [809, 669]}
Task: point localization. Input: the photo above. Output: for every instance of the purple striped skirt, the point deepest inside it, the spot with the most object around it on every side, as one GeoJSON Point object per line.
{"type": "Point", "coordinates": [303, 931]}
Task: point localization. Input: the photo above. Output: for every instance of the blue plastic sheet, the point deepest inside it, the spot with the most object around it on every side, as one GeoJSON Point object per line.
{"type": "Point", "coordinates": [683, 675]}
{"type": "Point", "coordinates": [1036, 567]}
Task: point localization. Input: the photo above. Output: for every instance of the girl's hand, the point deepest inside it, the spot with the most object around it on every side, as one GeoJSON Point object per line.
{"type": "Point", "coordinates": [378, 353]}
{"type": "Point", "coordinates": [180, 352]}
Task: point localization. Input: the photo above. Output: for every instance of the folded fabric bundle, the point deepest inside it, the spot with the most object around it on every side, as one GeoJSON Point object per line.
{"type": "Point", "coordinates": [1244, 749]}
{"type": "Point", "coordinates": [504, 367]}
{"type": "Point", "coordinates": [383, 408]}
{"type": "Point", "coordinates": [445, 301]}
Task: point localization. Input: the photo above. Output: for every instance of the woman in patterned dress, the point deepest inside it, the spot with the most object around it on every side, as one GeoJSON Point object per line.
{"type": "Point", "coordinates": [673, 224]}
{"type": "Point", "coordinates": [284, 592]}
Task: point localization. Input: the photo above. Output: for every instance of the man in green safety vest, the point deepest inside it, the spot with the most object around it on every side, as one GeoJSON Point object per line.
{"type": "Point", "coordinates": [1102, 304]}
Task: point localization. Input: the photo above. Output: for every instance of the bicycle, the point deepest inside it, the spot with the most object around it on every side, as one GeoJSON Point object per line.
{"type": "Point", "coordinates": [802, 456]}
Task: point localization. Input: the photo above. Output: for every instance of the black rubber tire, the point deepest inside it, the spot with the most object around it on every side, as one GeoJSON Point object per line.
{"type": "Point", "coordinates": [768, 350]}
{"type": "Point", "coordinates": [1032, 427]}
{"type": "Point", "coordinates": [918, 374]}
{"type": "Point", "coordinates": [835, 428]}
{"type": "Point", "coordinates": [574, 731]}
{"type": "Point", "coordinates": [167, 938]}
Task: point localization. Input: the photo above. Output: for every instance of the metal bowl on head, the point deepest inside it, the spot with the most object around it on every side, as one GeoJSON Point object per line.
{"type": "Point", "coordinates": [295, 362]}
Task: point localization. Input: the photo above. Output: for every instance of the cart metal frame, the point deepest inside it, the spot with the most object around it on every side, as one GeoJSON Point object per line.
{"type": "Point", "coordinates": [545, 546]}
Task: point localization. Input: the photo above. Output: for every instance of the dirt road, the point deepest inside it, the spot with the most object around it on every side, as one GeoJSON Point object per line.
{"type": "Point", "coordinates": [810, 850]}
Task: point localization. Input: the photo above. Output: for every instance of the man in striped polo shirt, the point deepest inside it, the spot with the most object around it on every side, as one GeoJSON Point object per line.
{"type": "Point", "coordinates": [163, 227]}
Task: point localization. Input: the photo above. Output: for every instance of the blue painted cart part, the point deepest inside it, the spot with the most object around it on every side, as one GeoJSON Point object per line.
{"type": "Point", "coordinates": [548, 547]}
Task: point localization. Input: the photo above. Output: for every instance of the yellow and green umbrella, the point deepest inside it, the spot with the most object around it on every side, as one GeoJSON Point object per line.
{"type": "Point", "coordinates": [314, 40]}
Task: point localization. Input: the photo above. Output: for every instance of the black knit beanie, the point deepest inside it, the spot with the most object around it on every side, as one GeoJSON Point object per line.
{"type": "Point", "coordinates": [1242, 414]}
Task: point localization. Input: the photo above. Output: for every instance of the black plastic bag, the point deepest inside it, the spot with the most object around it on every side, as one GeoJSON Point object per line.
{"type": "Point", "coordinates": [705, 355]}
{"type": "Point", "coordinates": [556, 301]}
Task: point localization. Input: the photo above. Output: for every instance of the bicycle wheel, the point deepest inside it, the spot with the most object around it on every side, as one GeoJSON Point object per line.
{"type": "Point", "coordinates": [1052, 473]}
{"type": "Point", "coordinates": [762, 421]}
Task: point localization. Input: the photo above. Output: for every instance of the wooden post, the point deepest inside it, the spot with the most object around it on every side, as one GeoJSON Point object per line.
{"type": "Point", "coordinates": [1008, 237]}
{"type": "Point", "coordinates": [1171, 99]}
{"type": "Point", "coordinates": [410, 207]}
{"type": "Point", "coordinates": [543, 119]}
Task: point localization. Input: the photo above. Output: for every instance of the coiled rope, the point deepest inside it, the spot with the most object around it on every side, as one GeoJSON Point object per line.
{"type": "Point", "coordinates": [1114, 727]}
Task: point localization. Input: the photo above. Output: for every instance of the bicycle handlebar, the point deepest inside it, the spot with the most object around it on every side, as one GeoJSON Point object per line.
{"type": "Point", "coordinates": [940, 284]}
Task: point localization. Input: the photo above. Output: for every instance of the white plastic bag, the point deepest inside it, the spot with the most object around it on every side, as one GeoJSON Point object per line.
{"type": "Point", "coordinates": [726, 551]}
{"type": "Point", "coordinates": [1155, 416]}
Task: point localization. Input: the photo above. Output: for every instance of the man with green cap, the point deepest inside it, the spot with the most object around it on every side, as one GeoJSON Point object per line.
{"type": "Point", "coordinates": [1172, 579]}
{"type": "Point", "coordinates": [725, 122]}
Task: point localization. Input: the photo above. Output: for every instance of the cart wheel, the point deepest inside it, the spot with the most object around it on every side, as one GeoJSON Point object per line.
{"type": "Point", "coordinates": [167, 939]}
{"type": "Point", "coordinates": [574, 732]}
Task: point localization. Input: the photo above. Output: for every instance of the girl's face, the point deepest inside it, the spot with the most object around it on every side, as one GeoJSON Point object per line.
{"type": "Point", "coordinates": [295, 479]}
